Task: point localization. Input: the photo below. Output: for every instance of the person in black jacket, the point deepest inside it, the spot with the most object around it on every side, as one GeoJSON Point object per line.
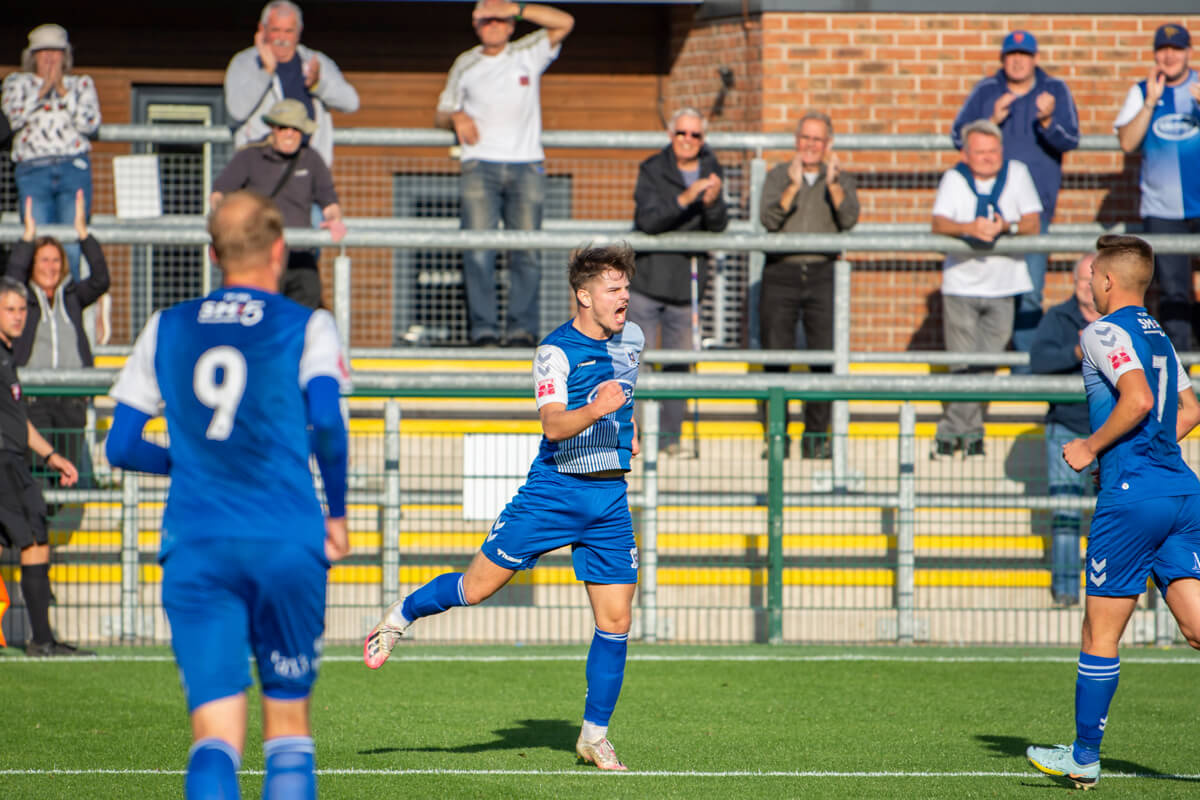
{"type": "Point", "coordinates": [55, 336]}
{"type": "Point", "coordinates": [678, 189]}
{"type": "Point", "coordinates": [1056, 350]}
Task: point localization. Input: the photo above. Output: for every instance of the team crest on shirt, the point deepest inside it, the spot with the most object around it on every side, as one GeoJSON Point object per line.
{"type": "Point", "coordinates": [523, 80]}
{"type": "Point", "coordinates": [633, 358]}
{"type": "Point", "coordinates": [16, 391]}
{"type": "Point", "coordinates": [1118, 357]}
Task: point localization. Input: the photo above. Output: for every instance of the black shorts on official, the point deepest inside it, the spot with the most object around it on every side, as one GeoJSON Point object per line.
{"type": "Point", "coordinates": [22, 507]}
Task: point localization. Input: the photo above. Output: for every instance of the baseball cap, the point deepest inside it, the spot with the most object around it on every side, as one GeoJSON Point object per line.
{"type": "Point", "coordinates": [51, 37]}
{"type": "Point", "coordinates": [1171, 35]}
{"type": "Point", "coordinates": [1019, 42]}
{"type": "Point", "coordinates": [290, 114]}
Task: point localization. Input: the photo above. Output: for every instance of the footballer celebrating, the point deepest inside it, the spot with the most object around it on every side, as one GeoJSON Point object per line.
{"type": "Point", "coordinates": [575, 494]}
{"type": "Point", "coordinates": [240, 376]}
{"type": "Point", "coordinates": [1147, 519]}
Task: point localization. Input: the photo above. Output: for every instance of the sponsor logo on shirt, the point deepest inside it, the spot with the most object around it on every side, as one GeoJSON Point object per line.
{"type": "Point", "coordinates": [233, 307]}
{"type": "Point", "coordinates": [545, 387]}
{"type": "Point", "coordinates": [1118, 357]}
{"type": "Point", "coordinates": [1176, 127]}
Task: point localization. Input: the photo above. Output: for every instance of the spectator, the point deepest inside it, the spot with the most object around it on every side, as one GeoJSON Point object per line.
{"type": "Point", "coordinates": [1056, 350]}
{"type": "Point", "coordinates": [809, 194]}
{"type": "Point", "coordinates": [678, 189]}
{"type": "Point", "coordinates": [1037, 116]}
{"type": "Point", "coordinates": [290, 173]}
{"type": "Point", "coordinates": [52, 114]}
{"type": "Point", "coordinates": [981, 199]}
{"type": "Point", "coordinates": [1161, 119]}
{"type": "Point", "coordinates": [22, 507]}
{"type": "Point", "coordinates": [491, 102]}
{"type": "Point", "coordinates": [54, 336]}
{"type": "Point", "coordinates": [278, 67]}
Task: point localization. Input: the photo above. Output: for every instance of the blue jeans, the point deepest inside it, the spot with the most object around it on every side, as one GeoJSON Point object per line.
{"type": "Point", "coordinates": [1065, 561]}
{"type": "Point", "coordinates": [52, 184]}
{"type": "Point", "coordinates": [493, 191]}
{"type": "Point", "coordinates": [1029, 305]}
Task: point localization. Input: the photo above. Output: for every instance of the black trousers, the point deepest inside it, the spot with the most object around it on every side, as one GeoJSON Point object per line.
{"type": "Point", "coordinates": [1173, 275]}
{"type": "Point", "coordinates": [302, 279]}
{"type": "Point", "coordinates": [799, 293]}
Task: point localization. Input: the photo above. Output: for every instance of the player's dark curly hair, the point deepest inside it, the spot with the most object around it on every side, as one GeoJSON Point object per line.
{"type": "Point", "coordinates": [589, 262]}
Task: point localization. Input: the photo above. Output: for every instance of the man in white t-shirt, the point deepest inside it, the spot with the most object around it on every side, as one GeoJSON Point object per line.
{"type": "Point", "coordinates": [492, 103]}
{"type": "Point", "coordinates": [981, 199]}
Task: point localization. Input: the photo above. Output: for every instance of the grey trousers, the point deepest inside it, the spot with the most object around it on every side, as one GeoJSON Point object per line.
{"type": "Point", "coordinates": [972, 325]}
{"type": "Point", "coordinates": [668, 326]}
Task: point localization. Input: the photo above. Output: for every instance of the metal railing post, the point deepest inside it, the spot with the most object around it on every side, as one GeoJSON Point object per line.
{"type": "Point", "coordinates": [130, 557]}
{"type": "Point", "coordinates": [776, 434]}
{"type": "Point", "coordinates": [841, 366]}
{"type": "Point", "coordinates": [906, 527]}
{"type": "Point", "coordinates": [391, 502]}
{"type": "Point", "coordinates": [341, 296]}
{"type": "Point", "coordinates": [755, 260]}
{"type": "Point", "coordinates": [648, 580]}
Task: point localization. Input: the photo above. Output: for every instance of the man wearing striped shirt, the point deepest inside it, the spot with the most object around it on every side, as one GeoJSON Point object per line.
{"type": "Point", "coordinates": [492, 103]}
{"type": "Point", "coordinates": [575, 494]}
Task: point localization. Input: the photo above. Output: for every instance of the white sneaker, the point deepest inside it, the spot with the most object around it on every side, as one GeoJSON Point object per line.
{"type": "Point", "coordinates": [600, 753]}
{"type": "Point", "coordinates": [382, 638]}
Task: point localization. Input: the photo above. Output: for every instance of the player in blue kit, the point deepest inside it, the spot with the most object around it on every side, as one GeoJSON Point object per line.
{"type": "Point", "coordinates": [240, 376]}
{"type": "Point", "coordinates": [1147, 519]}
{"type": "Point", "coordinates": [575, 494]}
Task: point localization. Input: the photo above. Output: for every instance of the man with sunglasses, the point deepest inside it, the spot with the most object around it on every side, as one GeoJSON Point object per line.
{"type": "Point", "coordinates": [678, 189]}
{"type": "Point", "coordinates": [295, 177]}
{"type": "Point", "coordinates": [492, 103]}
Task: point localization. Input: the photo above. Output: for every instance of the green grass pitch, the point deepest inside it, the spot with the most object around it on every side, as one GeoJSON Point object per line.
{"type": "Point", "coordinates": [738, 722]}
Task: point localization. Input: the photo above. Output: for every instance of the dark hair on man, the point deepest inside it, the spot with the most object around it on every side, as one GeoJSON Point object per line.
{"type": "Point", "coordinates": [243, 226]}
{"type": "Point", "coordinates": [9, 285]}
{"type": "Point", "coordinates": [1129, 258]}
{"type": "Point", "coordinates": [590, 262]}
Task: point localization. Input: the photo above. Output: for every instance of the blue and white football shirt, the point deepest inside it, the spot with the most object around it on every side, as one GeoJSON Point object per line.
{"type": "Point", "coordinates": [1147, 461]}
{"type": "Point", "coordinates": [1170, 179]}
{"type": "Point", "coordinates": [568, 368]}
{"type": "Point", "coordinates": [229, 372]}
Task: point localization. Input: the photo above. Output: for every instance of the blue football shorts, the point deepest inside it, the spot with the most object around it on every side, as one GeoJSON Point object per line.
{"type": "Point", "coordinates": [553, 510]}
{"type": "Point", "coordinates": [1158, 537]}
{"type": "Point", "coordinates": [228, 599]}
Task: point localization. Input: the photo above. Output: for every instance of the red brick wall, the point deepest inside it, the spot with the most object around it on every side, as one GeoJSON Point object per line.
{"type": "Point", "coordinates": [909, 74]}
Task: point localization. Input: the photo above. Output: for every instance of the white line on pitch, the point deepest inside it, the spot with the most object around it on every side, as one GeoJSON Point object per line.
{"type": "Point", "coordinates": [662, 657]}
{"type": "Point", "coordinates": [585, 772]}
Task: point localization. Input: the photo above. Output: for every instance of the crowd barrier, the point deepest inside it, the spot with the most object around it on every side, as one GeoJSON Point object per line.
{"type": "Point", "coordinates": [880, 545]}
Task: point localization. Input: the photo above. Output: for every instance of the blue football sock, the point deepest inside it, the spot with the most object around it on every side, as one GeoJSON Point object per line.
{"type": "Point", "coordinates": [605, 673]}
{"type": "Point", "coordinates": [441, 593]}
{"type": "Point", "coordinates": [291, 768]}
{"type": "Point", "coordinates": [1094, 689]}
{"type": "Point", "coordinates": [212, 771]}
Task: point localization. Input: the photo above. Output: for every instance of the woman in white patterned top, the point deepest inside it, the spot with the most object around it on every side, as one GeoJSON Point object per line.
{"type": "Point", "coordinates": [52, 114]}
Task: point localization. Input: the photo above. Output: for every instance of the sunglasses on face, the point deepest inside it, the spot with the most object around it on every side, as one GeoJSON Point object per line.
{"type": "Point", "coordinates": [693, 134]}
{"type": "Point", "coordinates": [484, 21]}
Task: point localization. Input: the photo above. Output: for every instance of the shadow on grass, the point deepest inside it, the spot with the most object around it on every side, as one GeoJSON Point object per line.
{"type": "Point", "coordinates": [1014, 746]}
{"type": "Point", "coordinates": [553, 734]}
